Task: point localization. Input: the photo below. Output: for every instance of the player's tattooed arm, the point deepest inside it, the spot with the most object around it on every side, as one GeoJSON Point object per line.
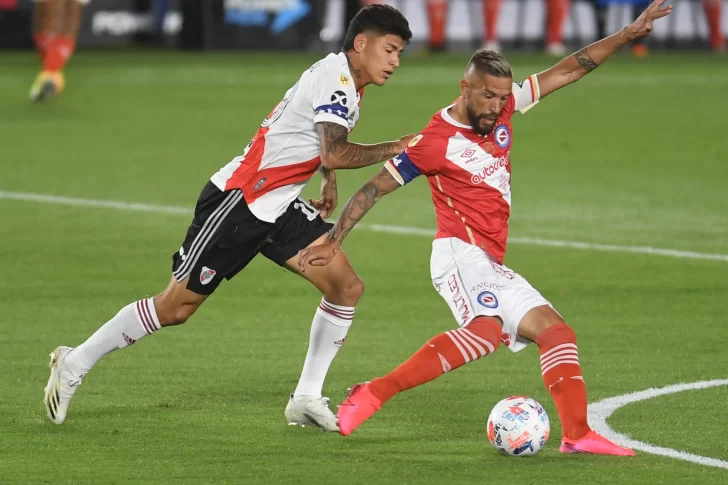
{"type": "Point", "coordinates": [338, 152]}
{"type": "Point", "coordinates": [359, 204]}
{"type": "Point", "coordinates": [584, 61]}
{"type": "Point", "coordinates": [364, 199]}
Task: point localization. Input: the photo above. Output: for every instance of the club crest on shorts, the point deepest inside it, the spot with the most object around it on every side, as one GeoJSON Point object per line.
{"type": "Point", "coordinates": [502, 136]}
{"type": "Point", "coordinates": [488, 299]}
{"type": "Point", "coordinates": [206, 275]}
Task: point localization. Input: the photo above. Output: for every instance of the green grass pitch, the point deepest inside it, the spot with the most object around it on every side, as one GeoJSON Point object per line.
{"type": "Point", "coordinates": [633, 155]}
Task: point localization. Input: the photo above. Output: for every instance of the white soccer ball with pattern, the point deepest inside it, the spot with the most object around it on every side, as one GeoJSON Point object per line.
{"type": "Point", "coordinates": [518, 426]}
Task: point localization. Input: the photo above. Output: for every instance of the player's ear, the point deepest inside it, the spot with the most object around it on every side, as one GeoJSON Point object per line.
{"type": "Point", "coordinates": [464, 85]}
{"type": "Point", "coordinates": [360, 42]}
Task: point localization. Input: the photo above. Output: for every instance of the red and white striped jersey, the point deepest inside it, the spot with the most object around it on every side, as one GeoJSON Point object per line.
{"type": "Point", "coordinates": [285, 152]}
{"type": "Point", "coordinates": [469, 175]}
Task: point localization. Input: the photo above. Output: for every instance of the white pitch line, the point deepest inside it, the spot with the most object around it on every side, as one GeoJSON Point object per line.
{"type": "Point", "coordinates": [413, 231]}
{"type": "Point", "coordinates": [601, 410]}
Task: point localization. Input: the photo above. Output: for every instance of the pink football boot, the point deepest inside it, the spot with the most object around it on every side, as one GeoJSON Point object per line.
{"type": "Point", "coordinates": [594, 443]}
{"type": "Point", "coordinates": [358, 407]}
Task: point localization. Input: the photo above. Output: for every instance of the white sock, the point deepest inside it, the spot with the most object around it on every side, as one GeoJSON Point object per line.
{"type": "Point", "coordinates": [133, 322]}
{"type": "Point", "coordinates": [328, 332]}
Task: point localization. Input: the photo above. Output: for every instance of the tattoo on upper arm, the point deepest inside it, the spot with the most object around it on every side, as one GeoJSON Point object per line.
{"type": "Point", "coordinates": [334, 142]}
{"type": "Point", "coordinates": [332, 136]}
{"type": "Point", "coordinates": [585, 60]}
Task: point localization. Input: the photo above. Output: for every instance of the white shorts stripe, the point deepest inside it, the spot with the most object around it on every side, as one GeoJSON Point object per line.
{"type": "Point", "coordinates": [460, 347]}
{"type": "Point", "coordinates": [208, 230]}
{"type": "Point", "coordinates": [558, 363]}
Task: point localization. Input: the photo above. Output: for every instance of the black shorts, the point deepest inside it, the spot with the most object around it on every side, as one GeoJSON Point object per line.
{"type": "Point", "coordinates": [225, 236]}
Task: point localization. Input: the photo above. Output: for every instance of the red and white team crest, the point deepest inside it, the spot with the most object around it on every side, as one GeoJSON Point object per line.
{"type": "Point", "coordinates": [206, 275]}
{"type": "Point", "coordinates": [502, 136]}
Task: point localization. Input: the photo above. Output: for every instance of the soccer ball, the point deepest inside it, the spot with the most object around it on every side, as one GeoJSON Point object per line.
{"type": "Point", "coordinates": [518, 426]}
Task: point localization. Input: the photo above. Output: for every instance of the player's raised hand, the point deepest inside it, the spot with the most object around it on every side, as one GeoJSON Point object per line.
{"type": "Point", "coordinates": [642, 26]}
{"type": "Point", "coordinates": [320, 255]}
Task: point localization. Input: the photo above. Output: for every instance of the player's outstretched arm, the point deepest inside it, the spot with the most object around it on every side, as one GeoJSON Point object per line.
{"type": "Point", "coordinates": [578, 65]}
{"type": "Point", "coordinates": [364, 199]}
{"type": "Point", "coordinates": [338, 152]}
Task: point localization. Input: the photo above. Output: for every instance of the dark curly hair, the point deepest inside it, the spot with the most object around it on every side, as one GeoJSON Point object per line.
{"type": "Point", "coordinates": [382, 19]}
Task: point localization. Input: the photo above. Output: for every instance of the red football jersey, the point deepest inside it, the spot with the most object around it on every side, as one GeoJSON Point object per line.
{"type": "Point", "coordinates": [469, 175]}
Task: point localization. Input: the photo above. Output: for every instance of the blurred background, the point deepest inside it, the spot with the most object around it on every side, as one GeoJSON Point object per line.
{"type": "Point", "coordinates": [319, 25]}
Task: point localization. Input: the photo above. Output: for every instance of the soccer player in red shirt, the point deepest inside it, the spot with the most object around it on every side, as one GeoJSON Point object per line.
{"type": "Point", "coordinates": [464, 153]}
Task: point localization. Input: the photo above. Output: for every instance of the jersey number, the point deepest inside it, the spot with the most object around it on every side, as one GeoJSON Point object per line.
{"type": "Point", "coordinates": [307, 210]}
{"type": "Point", "coordinates": [278, 111]}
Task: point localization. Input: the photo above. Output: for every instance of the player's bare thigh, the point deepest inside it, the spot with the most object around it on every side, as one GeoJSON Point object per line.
{"type": "Point", "coordinates": [337, 281]}
{"type": "Point", "coordinates": [537, 320]}
{"type": "Point", "coordinates": [176, 303]}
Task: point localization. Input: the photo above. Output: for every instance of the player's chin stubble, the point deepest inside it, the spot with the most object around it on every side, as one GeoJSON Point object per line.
{"type": "Point", "coordinates": [477, 123]}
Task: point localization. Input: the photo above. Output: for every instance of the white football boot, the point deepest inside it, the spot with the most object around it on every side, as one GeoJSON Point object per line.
{"type": "Point", "coordinates": [61, 386]}
{"type": "Point", "coordinates": [311, 411]}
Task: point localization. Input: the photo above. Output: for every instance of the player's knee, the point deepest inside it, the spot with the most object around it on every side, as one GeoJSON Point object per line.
{"type": "Point", "coordinates": [348, 289]}
{"type": "Point", "coordinates": [556, 334]}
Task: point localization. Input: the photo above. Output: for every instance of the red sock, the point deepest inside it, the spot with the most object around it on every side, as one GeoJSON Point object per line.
{"type": "Point", "coordinates": [42, 40]}
{"type": "Point", "coordinates": [562, 378]}
{"type": "Point", "coordinates": [491, 10]}
{"type": "Point", "coordinates": [713, 10]}
{"type": "Point", "coordinates": [441, 354]}
{"type": "Point", "coordinates": [437, 15]}
{"type": "Point", "coordinates": [58, 53]}
{"type": "Point", "coordinates": [556, 13]}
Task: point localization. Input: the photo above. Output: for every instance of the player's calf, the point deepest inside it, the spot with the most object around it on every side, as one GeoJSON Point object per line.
{"type": "Point", "coordinates": [441, 354]}
{"type": "Point", "coordinates": [564, 381]}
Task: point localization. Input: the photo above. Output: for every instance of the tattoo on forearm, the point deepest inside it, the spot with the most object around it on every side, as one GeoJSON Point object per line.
{"type": "Point", "coordinates": [351, 155]}
{"type": "Point", "coordinates": [585, 60]}
{"type": "Point", "coordinates": [353, 211]}
{"type": "Point", "coordinates": [364, 199]}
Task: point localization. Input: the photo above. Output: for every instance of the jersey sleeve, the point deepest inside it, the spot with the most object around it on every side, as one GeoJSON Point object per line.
{"type": "Point", "coordinates": [333, 95]}
{"type": "Point", "coordinates": [419, 158]}
{"type": "Point", "coordinates": [526, 94]}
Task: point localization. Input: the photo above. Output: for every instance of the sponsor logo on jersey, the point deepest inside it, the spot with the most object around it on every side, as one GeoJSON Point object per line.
{"type": "Point", "coordinates": [494, 167]}
{"type": "Point", "coordinates": [502, 136]}
{"type": "Point", "coordinates": [414, 141]}
{"type": "Point", "coordinates": [339, 97]}
{"type": "Point", "coordinates": [344, 80]}
{"type": "Point", "coordinates": [488, 299]}
{"type": "Point", "coordinates": [207, 275]}
{"type": "Point", "coordinates": [468, 153]}
{"type": "Point", "coordinates": [259, 184]}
